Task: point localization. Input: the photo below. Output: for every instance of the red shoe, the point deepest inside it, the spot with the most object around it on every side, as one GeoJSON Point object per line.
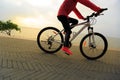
{"type": "Point", "coordinates": [66, 50]}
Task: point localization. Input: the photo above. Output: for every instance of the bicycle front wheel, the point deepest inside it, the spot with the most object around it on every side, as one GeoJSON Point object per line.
{"type": "Point", "coordinates": [93, 48]}
{"type": "Point", "coordinates": [50, 40]}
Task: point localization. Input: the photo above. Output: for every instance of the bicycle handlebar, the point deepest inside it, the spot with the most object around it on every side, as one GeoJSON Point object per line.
{"type": "Point", "coordinates": [96, 14]}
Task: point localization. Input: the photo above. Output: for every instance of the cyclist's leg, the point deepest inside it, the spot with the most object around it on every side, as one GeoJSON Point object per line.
{"type": "Point", "coordinates": [65, 23]}
{"type": "Point", "coordinates": [73, 21]}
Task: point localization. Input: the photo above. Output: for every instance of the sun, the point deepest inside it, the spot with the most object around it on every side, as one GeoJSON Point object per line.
{"type": "Point", "coordinates": [30, 21]}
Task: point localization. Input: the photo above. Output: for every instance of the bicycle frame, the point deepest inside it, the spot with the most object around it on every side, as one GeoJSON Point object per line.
{"type": "Point", "coordinates": [86, 24]}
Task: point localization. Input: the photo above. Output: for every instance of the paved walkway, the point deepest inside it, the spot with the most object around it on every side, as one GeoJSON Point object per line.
{"type": "Point", "coordinates": [23, 60]}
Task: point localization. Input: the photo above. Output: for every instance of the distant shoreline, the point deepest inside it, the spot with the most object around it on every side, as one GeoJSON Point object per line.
{"type": "Point", "coordinates": [31, 34]}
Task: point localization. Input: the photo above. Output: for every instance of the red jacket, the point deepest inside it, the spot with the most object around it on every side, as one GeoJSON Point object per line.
{"type": "Point", "coordinates": [70, 5]}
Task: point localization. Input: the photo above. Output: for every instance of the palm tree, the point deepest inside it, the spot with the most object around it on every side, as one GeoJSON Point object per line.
{"type": "Point", "coordinates": [8, 26]}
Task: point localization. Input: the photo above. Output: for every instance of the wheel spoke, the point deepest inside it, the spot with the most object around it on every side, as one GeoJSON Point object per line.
{"type": "Point", "coordinates": [93, 49]}
{"type": "Point", "coordinates": [49, 40]}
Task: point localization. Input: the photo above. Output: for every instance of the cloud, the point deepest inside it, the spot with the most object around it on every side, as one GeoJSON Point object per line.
{"type": "Point", "coordinates": [26, 7]}
{"type": "Point", "coordinates": [27, 11]}
{"type": "Point", "coordinates": [45, 11]}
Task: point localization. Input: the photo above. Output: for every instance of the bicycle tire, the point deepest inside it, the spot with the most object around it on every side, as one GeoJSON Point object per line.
{"type": "Point", "coordinates": [39, 40]}
{"type": "Point", "coordinates": [100, 38]}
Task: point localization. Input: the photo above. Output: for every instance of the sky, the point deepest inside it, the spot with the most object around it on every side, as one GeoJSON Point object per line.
{"type": "Point", "coordinates": [37, 13]}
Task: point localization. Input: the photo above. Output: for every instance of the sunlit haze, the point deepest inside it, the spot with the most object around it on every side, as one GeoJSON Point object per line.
{"type": "Point", "coordinates": [37, 13]}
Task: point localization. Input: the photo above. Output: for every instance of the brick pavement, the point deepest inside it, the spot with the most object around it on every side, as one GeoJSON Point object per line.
{"type": "Point", "coordinates": [23, 60]}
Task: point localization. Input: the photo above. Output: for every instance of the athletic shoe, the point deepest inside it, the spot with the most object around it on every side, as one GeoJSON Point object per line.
{"type": "Point", "coordinates": [66, 50]}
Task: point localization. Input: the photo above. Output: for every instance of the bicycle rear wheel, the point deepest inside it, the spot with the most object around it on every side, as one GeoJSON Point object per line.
{"type": "Point", "coordinates": [50, 40]}
{"type": "Point", "coordinates": [93, 49]}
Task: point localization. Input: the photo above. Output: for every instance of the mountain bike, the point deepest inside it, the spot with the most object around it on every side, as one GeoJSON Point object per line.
{"type": "Point", "coordinates": [92, 46]}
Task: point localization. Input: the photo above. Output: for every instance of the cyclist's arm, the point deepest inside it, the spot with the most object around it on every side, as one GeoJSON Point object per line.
{"type": "Point", "coordinates": [90, 5]}
{"type": "Point", "coordinates": [79, 15]}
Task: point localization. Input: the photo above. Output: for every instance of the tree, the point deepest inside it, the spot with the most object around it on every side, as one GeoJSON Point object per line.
{"type": "Point", "coordinates": [8, 26]}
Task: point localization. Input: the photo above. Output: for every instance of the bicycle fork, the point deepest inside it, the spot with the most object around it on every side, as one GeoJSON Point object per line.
{"type": "Point", "coordinates": [91, 38]}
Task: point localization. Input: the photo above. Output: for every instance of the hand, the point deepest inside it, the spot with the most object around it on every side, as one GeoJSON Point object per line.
{"type": "Point", "coordinates": [100, 11]}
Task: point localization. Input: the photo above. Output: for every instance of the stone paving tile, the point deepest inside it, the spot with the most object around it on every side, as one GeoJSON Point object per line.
{"type": "Point", "coordinates": [23, 60]}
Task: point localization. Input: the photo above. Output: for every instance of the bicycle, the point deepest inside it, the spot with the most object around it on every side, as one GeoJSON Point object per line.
{"type": "Point", "coordinates": [92, 46]}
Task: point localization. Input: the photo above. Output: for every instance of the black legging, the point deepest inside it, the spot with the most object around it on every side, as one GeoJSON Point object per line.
{"type": "Point", "coordinates": [66, 22]}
